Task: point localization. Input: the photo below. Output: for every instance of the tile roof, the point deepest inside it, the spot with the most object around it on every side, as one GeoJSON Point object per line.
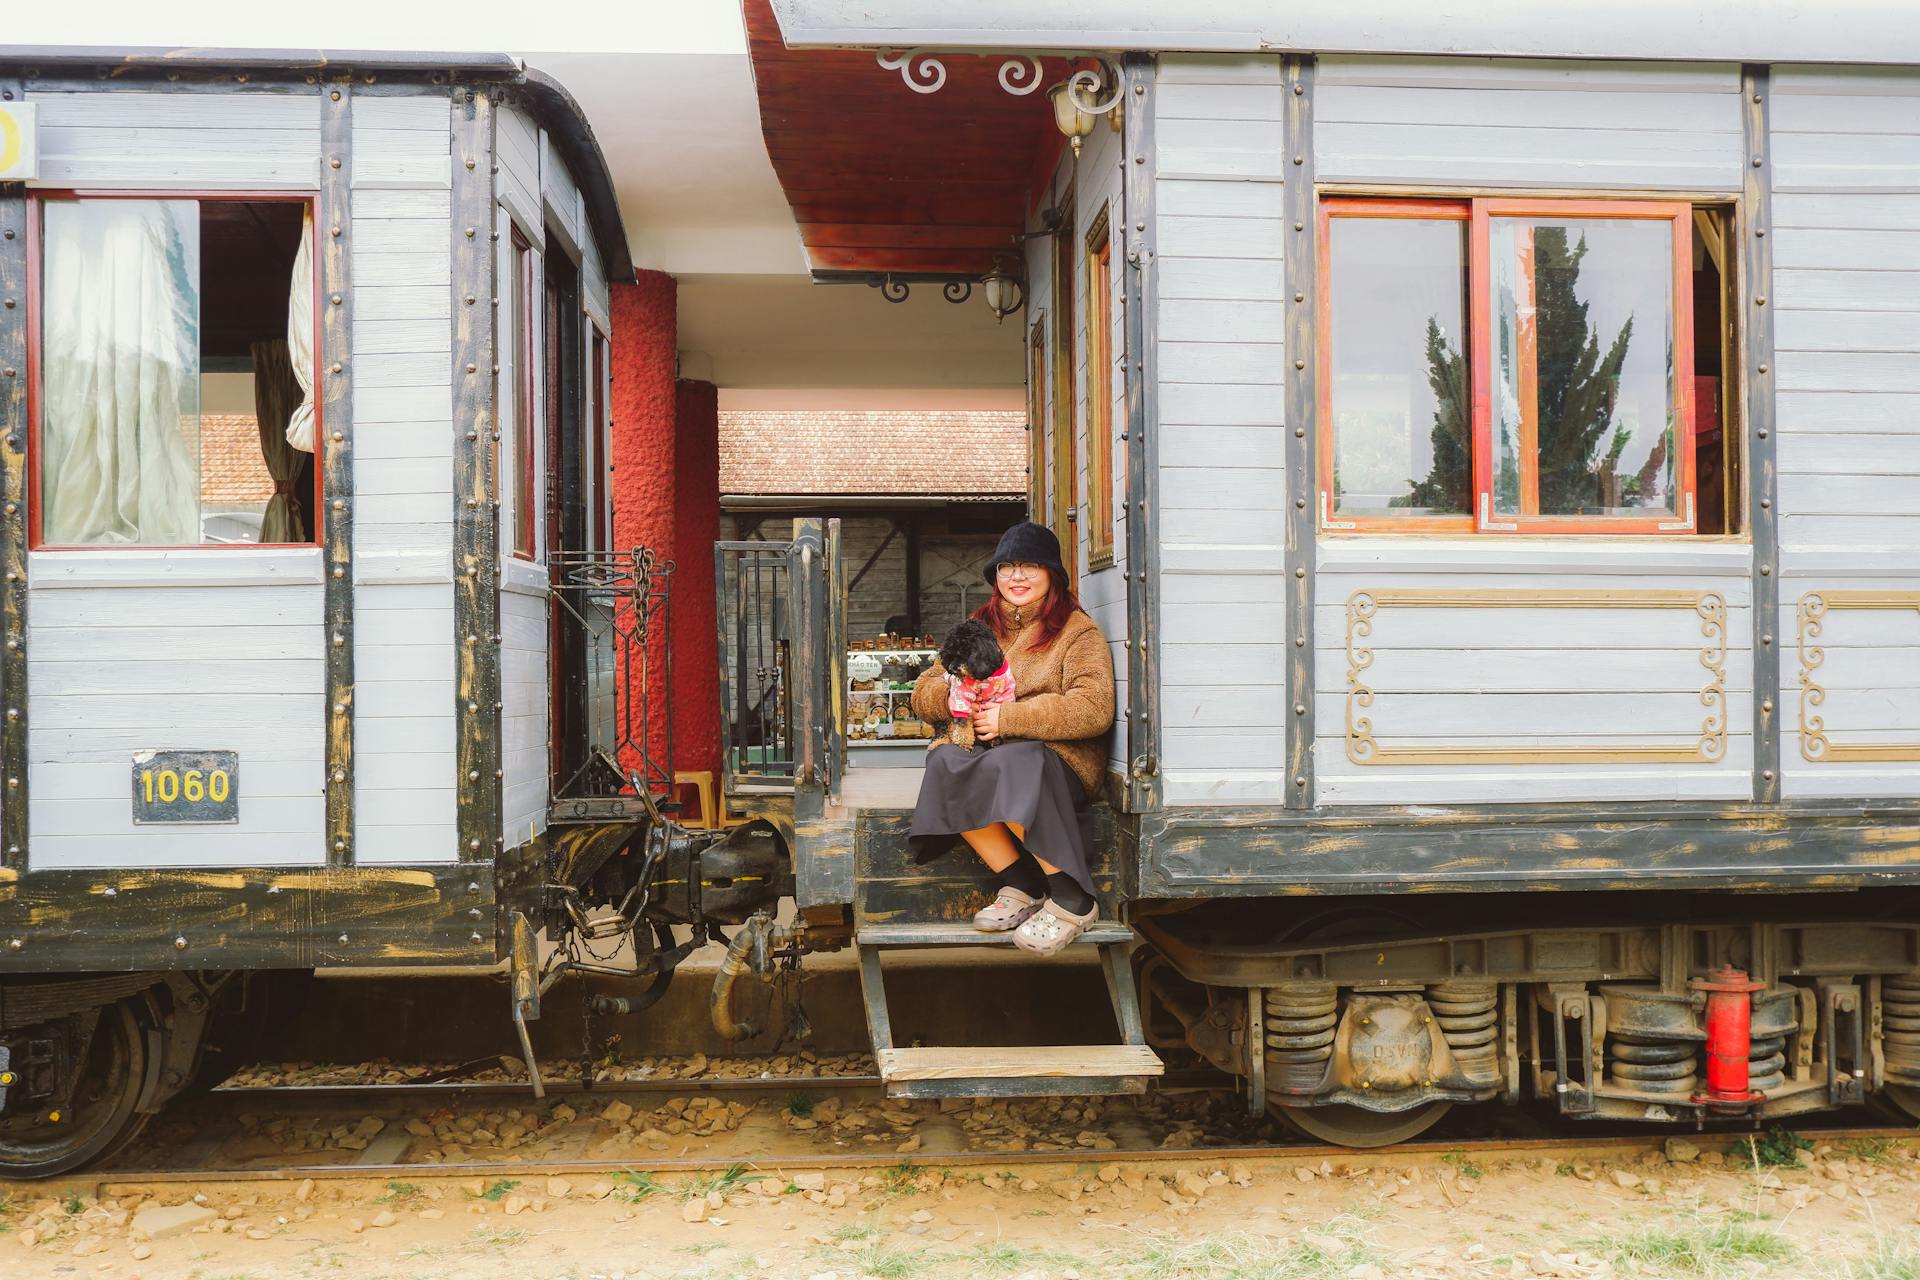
{"type": "Point", "coordinates": [946, 453]}
{"type": "Point", "coordinates": [232, 471]}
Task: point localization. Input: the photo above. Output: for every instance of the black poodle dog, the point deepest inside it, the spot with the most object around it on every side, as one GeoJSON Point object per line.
{"type": "Point", "coordinates": [970, 653]}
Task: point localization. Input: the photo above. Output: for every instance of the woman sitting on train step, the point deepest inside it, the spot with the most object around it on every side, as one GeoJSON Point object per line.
{"type": "Point", "coordinates": [1019, 796]}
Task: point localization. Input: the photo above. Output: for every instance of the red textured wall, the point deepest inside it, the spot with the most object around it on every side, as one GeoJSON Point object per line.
{"type": "Point", "coordinates": [696, 527]}
{"type": "Point", "coordinates": [645, 345]}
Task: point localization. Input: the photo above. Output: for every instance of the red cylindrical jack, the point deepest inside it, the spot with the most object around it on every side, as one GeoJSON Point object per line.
{"type": "Point", "coordinates": [1729, 1034]}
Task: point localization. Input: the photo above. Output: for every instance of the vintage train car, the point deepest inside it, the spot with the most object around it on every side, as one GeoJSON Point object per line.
{"type": "Point", "coordinates": [312, 623]}
{"type": "Point", "coordinates": [1497, 477]}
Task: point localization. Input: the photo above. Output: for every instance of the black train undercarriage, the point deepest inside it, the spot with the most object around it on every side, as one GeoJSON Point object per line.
{"type": "Point", "coordinates": [1361, 1027]}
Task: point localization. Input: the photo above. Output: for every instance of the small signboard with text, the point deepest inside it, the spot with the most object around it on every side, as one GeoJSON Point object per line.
{"type": "Point", "coordinates": [186, 786]}
{"type": "Point", "coordinates": [19, 154]}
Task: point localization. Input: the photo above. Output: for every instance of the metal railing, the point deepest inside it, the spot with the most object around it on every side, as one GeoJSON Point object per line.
{"type": "Point", "coordinates": [611, 615]}
{"type": "Point", "coordinates": [754, 581]}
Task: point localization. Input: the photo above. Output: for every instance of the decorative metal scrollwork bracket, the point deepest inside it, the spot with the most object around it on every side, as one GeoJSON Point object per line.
{"type": "Point", "coordinates": [924, 71]}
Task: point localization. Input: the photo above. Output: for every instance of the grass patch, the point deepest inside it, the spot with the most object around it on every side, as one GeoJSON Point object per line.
{"type": "Point", "coordinates": [1698, 1249]}
{"type": "Point", "coordinates": [885, 1262]}
{"type": "Point", "coordinates": [856, 1232]}
{"type": "Point", "coordinates": [1004, 1258]}
{"type": "Point", "coordinates": [400, 1193]}
{"type": "Point", "coordinates": [635, 1187]}
{"type": "Point", "coordinates": [702, 1184]}
{"type": "Point", "coordinates": [1888, 1261]}
{"type": "Point", "coordinates": [1871, 1150]}
{"type": "Point", "coordinates": [1464, 1166]}
{"type": "Point", "coordinates": [1239, 1255]}
{"type": "Point", "coordinates": [1777, 1148]}
{"type": "Point", "coordinates": [492, 1237]}
{"type": "Point", "coordinates": [498, 1189]}
{"type": "Point", "coordinates": [801, 1104]}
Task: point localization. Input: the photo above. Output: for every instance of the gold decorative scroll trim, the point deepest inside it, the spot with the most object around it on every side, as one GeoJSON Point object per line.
{"type": "Point", "coordinates": [1814, 743]}
{"type": "Point", "coordinates": [1363, 606]}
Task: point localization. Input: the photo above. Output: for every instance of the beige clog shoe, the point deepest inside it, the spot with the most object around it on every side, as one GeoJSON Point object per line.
{"type": "Point", "coordinates": [1009, 909]}
{"type": "Point", "coordinates": [1051, 929]}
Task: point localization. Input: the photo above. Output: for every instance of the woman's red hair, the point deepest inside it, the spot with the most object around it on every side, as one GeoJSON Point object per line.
{"type": "Point", "coordinates": [1061, 604]}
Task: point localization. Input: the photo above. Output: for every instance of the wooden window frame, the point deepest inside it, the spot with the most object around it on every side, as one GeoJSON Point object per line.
{"type": "Point", "coordinates": [1479, 212]}
{"type": "Point", "coordinates": [1332, 207]}
{"type": "Point", "coordinates": [1037, 418]}
{"type": "Point", "coordinates": [1099, 344]}
{"type": "Point", "coordinates": [525, 289]}
{"type": "Point", "coordinates": [36, 250]}
{"type": "Point", "coordinates": [1064, 520]}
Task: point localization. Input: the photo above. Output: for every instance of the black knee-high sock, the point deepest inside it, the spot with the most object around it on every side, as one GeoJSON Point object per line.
{"type": "Point", "coordinates": [1024, 874]}
{"type": "Point", "coordinates": [1066, 891]}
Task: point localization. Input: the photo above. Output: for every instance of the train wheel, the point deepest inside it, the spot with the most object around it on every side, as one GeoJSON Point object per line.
{"type": "Point", "coordinates": [102, 1117]}
{"type": "Point", "coordinates": [1906, 1097]}
{"type": "Point", "coordinates": [1346, 1126]}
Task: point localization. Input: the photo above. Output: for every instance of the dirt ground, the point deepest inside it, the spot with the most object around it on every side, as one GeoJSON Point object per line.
{"type": "Point", "coordinates": [1848, 1210]}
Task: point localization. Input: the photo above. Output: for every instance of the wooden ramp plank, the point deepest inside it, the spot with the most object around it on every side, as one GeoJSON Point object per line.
{"type": "Point", "coordinates": [945, 934]}
{"type": "Point", "coordinates": [976, 1062]}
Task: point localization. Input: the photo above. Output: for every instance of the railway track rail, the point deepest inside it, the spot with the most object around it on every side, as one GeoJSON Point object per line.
{"type": "Point", "coordinates": [216, 1123]}
{"type": "Point", "coordinates": [1599, 1147]}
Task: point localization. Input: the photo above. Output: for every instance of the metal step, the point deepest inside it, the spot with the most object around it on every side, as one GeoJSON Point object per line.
{"type": "Point", "coordinates": [1021, 1071]}
{"type": "Point", "coordinates": [1101, 933]}
{"type": "Point", "coordinates": [981, 1071]}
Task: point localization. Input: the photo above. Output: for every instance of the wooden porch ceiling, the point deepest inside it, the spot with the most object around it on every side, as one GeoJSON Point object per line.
{"type": "Point", "coordinates": [884, 179]}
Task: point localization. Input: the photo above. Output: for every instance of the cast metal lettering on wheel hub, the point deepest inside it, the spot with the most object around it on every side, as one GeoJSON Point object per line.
{"type": "Point", "coordinates": [1390, 1042]}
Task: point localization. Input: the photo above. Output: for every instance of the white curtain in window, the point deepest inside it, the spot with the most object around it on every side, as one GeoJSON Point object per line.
{"type": "Point", "coordinates": [120, 431]}
{"type": "Point", "coordinates": [300, 338]}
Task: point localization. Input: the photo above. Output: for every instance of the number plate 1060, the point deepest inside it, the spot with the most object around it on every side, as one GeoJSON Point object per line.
{"type": "Point", "coordinates": [186, 786]}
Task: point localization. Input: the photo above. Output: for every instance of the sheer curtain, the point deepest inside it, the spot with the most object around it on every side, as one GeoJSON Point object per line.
{"type": "Point", "coordinates": [300, 340]}
{"type": "Point", "coordinates": [120, 430]}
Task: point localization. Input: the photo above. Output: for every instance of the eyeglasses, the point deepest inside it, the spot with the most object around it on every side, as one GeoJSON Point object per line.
{"type": "Point", "coordinates": [1014, 569]}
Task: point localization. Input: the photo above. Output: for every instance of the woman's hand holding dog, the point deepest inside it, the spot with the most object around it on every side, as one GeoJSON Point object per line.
{"type": "Point", "coordinates": [986, 722]}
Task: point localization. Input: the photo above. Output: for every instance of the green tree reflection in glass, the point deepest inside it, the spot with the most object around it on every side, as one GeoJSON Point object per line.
{"type": "Point", "coordinates": [1577, 387]}
{"type": "Point", "coordinates": [1450, 479]}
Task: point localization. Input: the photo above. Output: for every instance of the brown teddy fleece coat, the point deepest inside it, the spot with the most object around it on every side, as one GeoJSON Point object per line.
{"type": "Point", "coordinates": [1063, 694]}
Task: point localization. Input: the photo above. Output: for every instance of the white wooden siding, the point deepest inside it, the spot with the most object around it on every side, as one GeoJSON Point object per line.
{"type": "Point", "coordinates": [244, 140]}
{"type": "Point", "coordinates": [1222, 520]}
{"type": "Point", "coordinates": [404, 773]}
{"type": "Point", "coordinates": [524, 669]}
{"type": "Point", "coordinates": [523, 683]}
{"type": "Point", "coordinates": [560, 195]}
{"type": "Point", "coordinates": [1846, 229]}
{"type": "Point", "coordinates": [517, 148]}
{"type": "Point", "coordinates": [1480, 122]}
{"type": "Point", "coordinates": [1546, 675]}
{"type": "Point", "coordinates": [175, 650]}
{"type": "Point", "coordinates": [1094, 184]}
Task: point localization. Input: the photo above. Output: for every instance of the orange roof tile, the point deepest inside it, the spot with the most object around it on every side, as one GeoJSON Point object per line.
{"type": "Point", "coordinates": [231, 468]}
{"type": "Point", "coordinates": [940, 454]}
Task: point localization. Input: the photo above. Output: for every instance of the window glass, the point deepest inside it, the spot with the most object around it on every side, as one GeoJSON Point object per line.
{"type": "Point", "coordinates": [175, 358]}
{"type": "Point", "coordinates": [1402, 417]}
{"type": "Point", "coordinates": [1583, 346]}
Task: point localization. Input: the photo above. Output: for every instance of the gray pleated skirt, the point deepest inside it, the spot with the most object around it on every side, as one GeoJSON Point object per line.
{"type": "Point", "coordinates": [1020, 782]}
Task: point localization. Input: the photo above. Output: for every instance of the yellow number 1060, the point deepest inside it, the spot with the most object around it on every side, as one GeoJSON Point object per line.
{"type": "Point", "coordinates": [167, 785]}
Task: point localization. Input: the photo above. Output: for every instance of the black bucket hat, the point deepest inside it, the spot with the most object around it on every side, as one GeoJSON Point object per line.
{"type": "Point", "coordinates": [1028, 543]}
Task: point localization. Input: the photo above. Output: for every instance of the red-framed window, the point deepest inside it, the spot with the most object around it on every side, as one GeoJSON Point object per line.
{"type": "Point", "coordinates": [174, 384]}
{"type": "Point", "coordinates": [525, 358]}
{"type": "Point", "coordinates": [1499, 365]}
